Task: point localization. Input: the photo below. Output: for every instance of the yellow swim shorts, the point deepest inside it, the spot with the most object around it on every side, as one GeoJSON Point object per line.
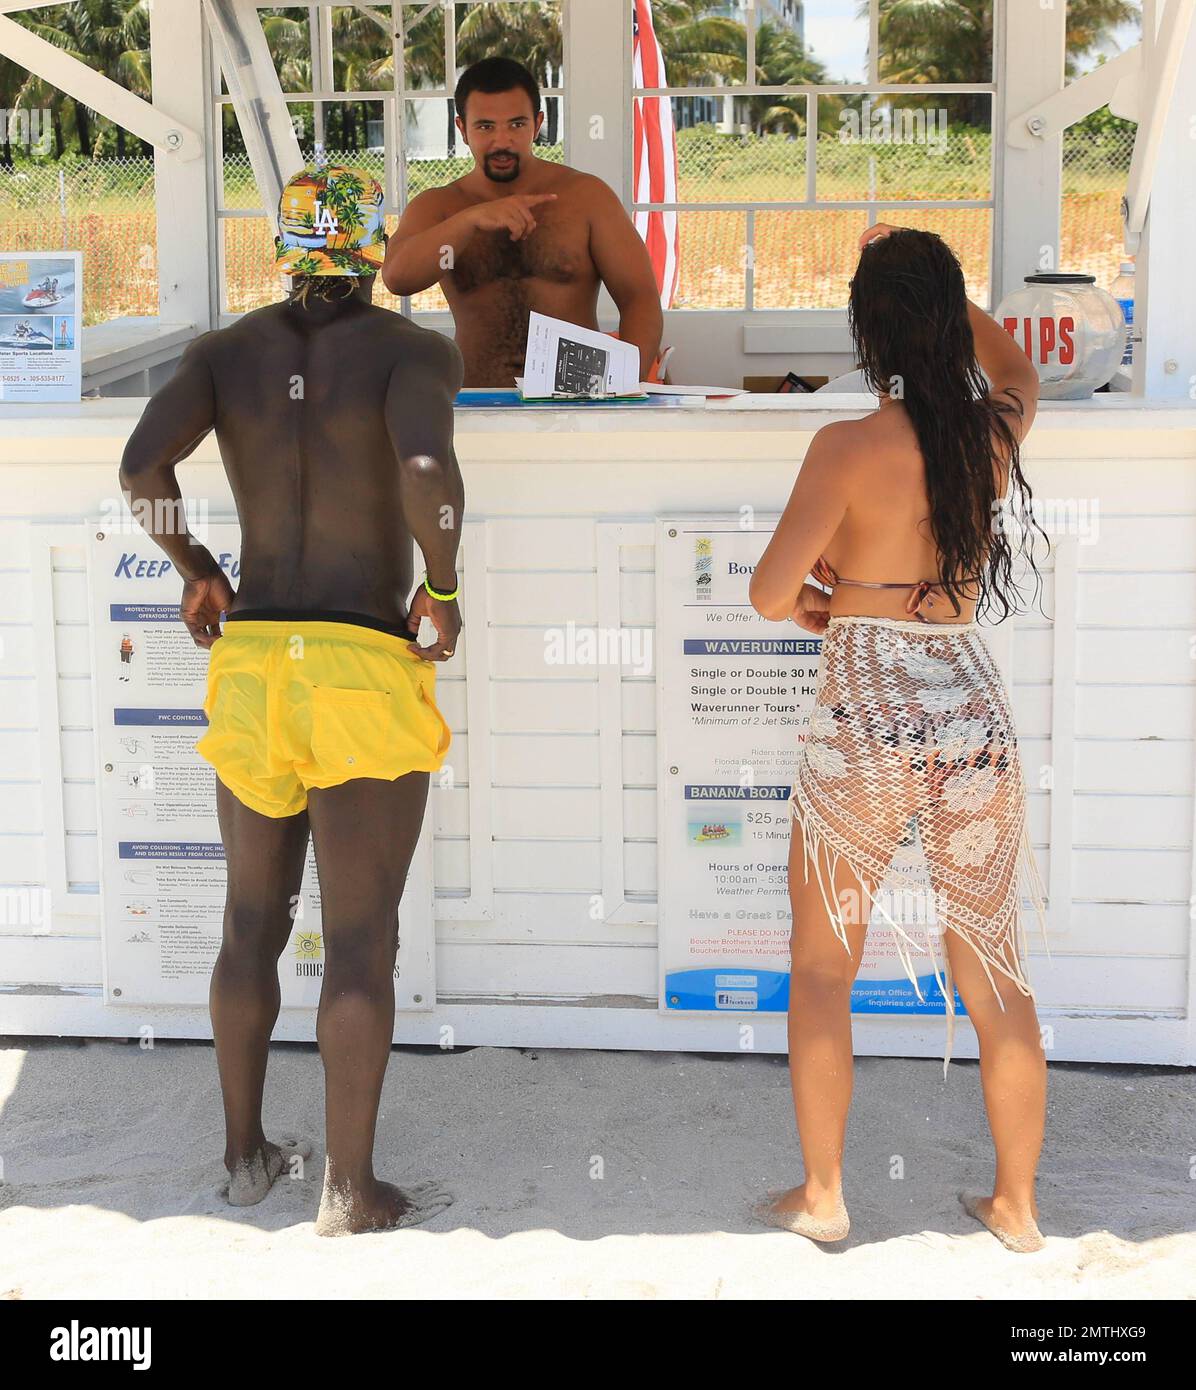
{"type": "Point", "coordinates": [299, 704]}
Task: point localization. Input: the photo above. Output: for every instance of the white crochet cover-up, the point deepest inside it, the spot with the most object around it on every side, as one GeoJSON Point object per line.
{"type": "Point", "coordinates": [912, 720]}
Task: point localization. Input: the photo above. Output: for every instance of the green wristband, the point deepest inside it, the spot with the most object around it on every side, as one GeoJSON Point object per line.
{"type": "Point", "coordinates": [442, 598]}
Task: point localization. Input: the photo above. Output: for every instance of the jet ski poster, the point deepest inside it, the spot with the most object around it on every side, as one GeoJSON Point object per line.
{"type": "Point", "coordinates": [41, 321]}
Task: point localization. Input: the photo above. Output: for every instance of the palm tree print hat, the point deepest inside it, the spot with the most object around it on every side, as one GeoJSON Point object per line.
{"type": "Point", "coordinates": [330, 223]}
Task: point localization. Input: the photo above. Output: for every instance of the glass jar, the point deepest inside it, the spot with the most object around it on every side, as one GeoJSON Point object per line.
{"type": "Point", "coordinates": [1073, 332]}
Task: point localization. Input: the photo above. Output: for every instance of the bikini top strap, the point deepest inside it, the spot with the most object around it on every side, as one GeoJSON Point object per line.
{"type": "Point", "coordinates": [919, 591]}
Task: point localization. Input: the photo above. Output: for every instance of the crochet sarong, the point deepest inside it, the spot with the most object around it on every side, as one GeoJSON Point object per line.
{"type": "Point", "coordinates": [913, 721]}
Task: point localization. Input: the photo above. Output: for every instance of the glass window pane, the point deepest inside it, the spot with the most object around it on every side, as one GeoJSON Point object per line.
{"type": "Point", "coordinates": [703, 45]}
{"type": "Point", "coordinates": [967, 231]}
{"type": "Point", "coordinates": [433, 150]}
{"type": "Point", "coordinates": [362, 49]}
{"type": "Point", "coordinates": [249, 276]}
{"type": "Point", "coordinates": [836, 37]}
{"type": "Point", "coordinates": [1096, 165]}
{"type": "Point", "coordinates": [805, 260]}
{"type": "Point", "coordinates": [423, 46]}
{"type": "Point", "coordinates": [527, 30]}
{"type": "Point", "coordinates": [103, 206]}
{"type": "Point", "coordinates": [1097, 32]}
{"type": "Point", "coordinates": [429, 301]}
{"type": "Point", "coordinates": [936, 41]}
{"type": "Point", "coordinates": [904, 146]}
{"type": "Point", "coordinates": [348, 132]}
{"type": "Point", "coordinates": [712, 250]}
{"type": "Point", "coordinates": [740, 149]}
{"type": "Point", "coordinates": [289, 40]}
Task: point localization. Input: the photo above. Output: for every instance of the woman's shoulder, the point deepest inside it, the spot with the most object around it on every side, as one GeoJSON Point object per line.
{"type": "Point", "coordinates": [871, 446]}
{"type": "Point", "coordinates": [844, 439]}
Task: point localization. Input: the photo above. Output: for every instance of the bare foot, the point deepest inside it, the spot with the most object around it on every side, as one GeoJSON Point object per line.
{"type": "Point", "coordinates": [350, 1211]}
{"type": "Point", "coordinates": [1017, 1230]}
{"type": "Point", "coordinates": [825, 1220]}
{"type": "Point", "coordinates": [251, 1177]}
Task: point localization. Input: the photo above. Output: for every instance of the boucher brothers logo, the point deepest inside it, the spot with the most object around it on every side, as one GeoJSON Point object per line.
{"type": "Point", "coordinates": [703, 566]}
{"type": "Point", "coordinates": [309, 954]}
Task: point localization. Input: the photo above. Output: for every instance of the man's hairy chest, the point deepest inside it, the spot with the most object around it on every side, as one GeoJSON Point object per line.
{"type": "Point", "coordinates": [557, 253]}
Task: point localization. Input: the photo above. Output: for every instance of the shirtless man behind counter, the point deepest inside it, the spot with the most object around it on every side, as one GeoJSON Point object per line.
{"type": "Point", "coordinates": [334, 419]}
{"type": "Point", "coordinates": [518, 233]}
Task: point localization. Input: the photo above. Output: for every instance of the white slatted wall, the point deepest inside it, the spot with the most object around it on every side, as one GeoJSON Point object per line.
{"type": "Point", "coordinates": [545, 838]}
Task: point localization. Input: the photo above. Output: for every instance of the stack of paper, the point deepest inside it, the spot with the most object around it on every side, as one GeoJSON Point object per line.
{"type": "Point", "coordinates": [567, 362]}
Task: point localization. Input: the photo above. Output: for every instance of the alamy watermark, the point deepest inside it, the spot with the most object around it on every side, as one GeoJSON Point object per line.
{"type": "Point", "coordinates": [1058, 516]}
{"type": "Point", "coordinates": [32, 128]}
{"type": "Point", "coordinates": [572, 645]}
{"type": "Point", "coordinates": [893, 125]}
{"type": "Point", "coordinates": [157, 516]}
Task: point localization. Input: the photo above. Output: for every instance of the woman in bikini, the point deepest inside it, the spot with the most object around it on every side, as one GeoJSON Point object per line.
{"type": "Point", "coordinates": [899, 515]}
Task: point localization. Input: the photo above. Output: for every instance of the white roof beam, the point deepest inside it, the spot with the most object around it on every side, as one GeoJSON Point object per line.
{"type": "Point", "coordinates": [92, 88]}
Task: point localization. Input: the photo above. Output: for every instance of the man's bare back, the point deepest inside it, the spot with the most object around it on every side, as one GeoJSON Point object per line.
{"type": "Point", "coordinates": [312, 415]}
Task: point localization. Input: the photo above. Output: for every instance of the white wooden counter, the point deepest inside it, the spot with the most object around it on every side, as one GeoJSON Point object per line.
{"type": "Point", "coordinates": [561, 504]}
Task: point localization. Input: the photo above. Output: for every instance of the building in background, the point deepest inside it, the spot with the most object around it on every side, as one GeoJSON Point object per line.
{"type": "Point", "coordinates": [730, 117]}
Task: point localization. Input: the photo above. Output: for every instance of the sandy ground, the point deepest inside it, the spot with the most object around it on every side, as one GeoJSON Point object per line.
{"type": "Point", "coordinates": [580, 1175]}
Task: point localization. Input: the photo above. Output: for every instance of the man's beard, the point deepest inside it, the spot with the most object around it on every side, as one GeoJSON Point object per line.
{"type": "Point", "coordinates": [507, 175]}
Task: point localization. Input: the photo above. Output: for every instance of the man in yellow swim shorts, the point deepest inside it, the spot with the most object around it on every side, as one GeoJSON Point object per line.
{"type": "Point", "coordinates": [335, 424]}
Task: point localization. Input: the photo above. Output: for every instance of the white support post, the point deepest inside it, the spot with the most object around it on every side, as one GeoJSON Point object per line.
{"type": "Point", "coordinates": [1165, 359]}
{"type": "Point", "coordinates": [1032, 46]}
{"type": "Point", "coordinates": [178, 59]}
{"type": "Point", "coordinates": [597, 47]}
{"type": "Point", "coordinates": [1160, 71]}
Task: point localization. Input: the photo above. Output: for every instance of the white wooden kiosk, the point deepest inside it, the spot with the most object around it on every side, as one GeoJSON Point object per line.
{"type": "Point", "coordinates": [544, 890]}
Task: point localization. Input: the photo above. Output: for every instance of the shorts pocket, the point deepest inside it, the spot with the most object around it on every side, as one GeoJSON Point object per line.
{"type": "Point", "coordinates": [352, 731]}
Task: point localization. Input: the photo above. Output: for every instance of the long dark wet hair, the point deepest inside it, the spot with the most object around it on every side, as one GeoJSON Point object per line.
{"type": "Point", "coordinates": [908, 313]}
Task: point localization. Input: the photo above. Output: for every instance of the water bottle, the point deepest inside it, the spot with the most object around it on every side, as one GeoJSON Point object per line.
{"type": "Point", "coordinates": [1122, 290]}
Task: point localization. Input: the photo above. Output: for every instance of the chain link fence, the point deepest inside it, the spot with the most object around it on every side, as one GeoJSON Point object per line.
{"type": "Point", "coordinates": [798, 259]}
{"type": "Point", "coordinates": [805, 259]}
{"type": "Point", "coordinates": [102, 207]}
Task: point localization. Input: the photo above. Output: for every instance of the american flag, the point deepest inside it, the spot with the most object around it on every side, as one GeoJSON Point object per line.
{"type": "Point", "coordinates": [655, 153]}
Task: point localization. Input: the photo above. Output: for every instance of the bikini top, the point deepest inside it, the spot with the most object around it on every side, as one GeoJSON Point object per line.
{"type": "Point", "coordinates": [919, 590]}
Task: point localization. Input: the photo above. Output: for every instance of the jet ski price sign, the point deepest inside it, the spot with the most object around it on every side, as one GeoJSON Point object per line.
{"type": "Point", "coordinates": [41, 317]}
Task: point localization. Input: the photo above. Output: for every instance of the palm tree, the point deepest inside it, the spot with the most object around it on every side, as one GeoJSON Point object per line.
{"type": "Point", "coordinates": [111, 36]}
{"type": "Point", "coordinates": [423, 59]}
{"type": "Point", "coordinates": [698, 46]}
{"type": "Point", "coordinates": [933, 41]}
{"type": "Point", "coordinates": [781, 59]}
{"type": "Point", "coordinates": [1090, 23]}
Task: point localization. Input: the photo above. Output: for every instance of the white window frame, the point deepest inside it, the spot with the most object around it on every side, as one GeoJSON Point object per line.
{"type": "Point", "coordinates": [810, 202]}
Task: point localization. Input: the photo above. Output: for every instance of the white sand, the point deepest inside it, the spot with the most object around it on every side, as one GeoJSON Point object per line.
{"type": "Point", "coordinates": [112, 1160]}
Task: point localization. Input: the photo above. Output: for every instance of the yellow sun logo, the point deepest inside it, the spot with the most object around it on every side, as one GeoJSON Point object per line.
{"type": "Point", "coordinates": [309, 945]}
